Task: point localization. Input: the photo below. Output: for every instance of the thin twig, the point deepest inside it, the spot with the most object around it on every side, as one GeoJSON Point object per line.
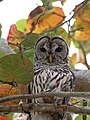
{"type": "Point", "coordinates": [84, 54]}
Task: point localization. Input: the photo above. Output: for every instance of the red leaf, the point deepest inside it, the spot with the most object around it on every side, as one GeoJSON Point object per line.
{"type": "Point", "coordinates": [13, 32]}
{"type": "Point", "coordinates": [4, 118]}
{"type": "Point", "coordinates": [62, 31]}
{"type": "Point", "coordinates": [69, 37]}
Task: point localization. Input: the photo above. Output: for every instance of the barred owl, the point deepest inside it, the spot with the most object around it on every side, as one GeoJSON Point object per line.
{"type": "Point", "coordinates": [51, 74]}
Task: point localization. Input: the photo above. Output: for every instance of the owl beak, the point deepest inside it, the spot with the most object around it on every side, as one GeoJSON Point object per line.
{"type": "Point", "coordinates": [50, 58]}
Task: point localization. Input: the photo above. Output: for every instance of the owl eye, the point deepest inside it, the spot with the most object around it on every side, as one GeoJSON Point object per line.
{"type": "Point", "coordinates": [59, 49]}
{"type": "Point", "coordinates": [43, 49]}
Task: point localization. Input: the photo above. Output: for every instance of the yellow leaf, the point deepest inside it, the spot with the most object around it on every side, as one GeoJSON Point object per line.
{"type": "Point", "coordinates": [82, 35]}
{"type": "Point", "coordinates": [84, 13]}
{"type": "Point", "coordinates": [48, 20]}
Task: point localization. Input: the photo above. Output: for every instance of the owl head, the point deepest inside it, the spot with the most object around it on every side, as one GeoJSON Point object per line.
{"type": "Point", "coordinates": [51, 50]}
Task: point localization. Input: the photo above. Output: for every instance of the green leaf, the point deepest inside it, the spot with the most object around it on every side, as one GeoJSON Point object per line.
{"type": "Point", "coordinates": [88, 117]}
{"type": "Point", "coordinates": [88, 103]}
{"type": "Point", "coordinates": [10, 115]}
{"type": "Point", "coordinates": [75, 42]}
{"type": "Point", "coordinates": [5, 49]}
{"type": "Point", "coordinates": [16, 68]}
{"type": "Point", "coordinates": [30, 54]}
{"type": "Point", "coordinates": [21, 25]}
{"type": "Point", "coordinates": [45, 2]}
{"type": "Point", "coordinates": [79, 117]}
{"type": "Point", "coordinates": [62, 32]}
{"type": "Point", "coordinates": [31, 39]}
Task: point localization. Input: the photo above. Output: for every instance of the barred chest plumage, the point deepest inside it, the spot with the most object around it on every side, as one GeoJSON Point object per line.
{"type": "Point", "coordinates": [52, 79]}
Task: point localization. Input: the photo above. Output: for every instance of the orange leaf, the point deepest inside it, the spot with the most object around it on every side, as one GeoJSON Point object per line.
{"type": "Point", "coordinates": [13, 34]}
{"type": "Point", "coordinates": [82, 35]}
{"type": "Point", "coordinates": [7, 90]}
{"type": "Point", "coordinates": [2, 117]}
{"type": "Point", "coordinates": [73, 59]}
{"type": "Point", "coordinates": [50, 19]}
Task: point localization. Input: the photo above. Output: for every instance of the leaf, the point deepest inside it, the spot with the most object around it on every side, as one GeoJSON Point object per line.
{"type": "Point", "coordinates": [84, 13]}
{"type": "Point", "coordinates": [10, 115]}
{"type": "Point", "coordinates": [5, 49]}
{"type": "Point", "coordinates": [79, 23]}
{"type": "Point", "coordinates": [48, 20]}
{"type": "Point", "coordinates": [31, 39]}
{"type": "Point", "coordinates": [79, 117]}
{"type": "Point", "coordinates": [15, 68]}
{"type": "Point", "coordinates": [30, 54]}
{"type": "Point", "coordinates": [82, 22]}
{"type": "Point", "coordinates": [62, 32]}
{"type": "Point", "coordinates": [83, 35]}
{"type": "Point", "coordinates": [86, 46]}
{"type": "Point", "coordinates": [21, 25]}
{"type": "Point", "coordinates": [45, 2]}
{"type": "Point", "coordinates": [73, 60]}
{"type": "Point", "coordinates": [7, 90]}
{"type": "Point", "coordinates": [88, 117]}
{"type": "Point", "coordinates": [73, 100]}
{"type": "Point", "coordinates": [2, 117]}
{"type": "Point", "coordinates": [14, 35]}
{"type": "Point", "coordinates": [88, 103]}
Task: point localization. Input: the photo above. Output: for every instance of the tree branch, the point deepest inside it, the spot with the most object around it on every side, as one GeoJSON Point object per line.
{"type": "Point", "coordinates": [46, 108]}
{"type": "Point", "coordinates": [82, 80]}
{"type": "Point", "coordinates": [49, 94]}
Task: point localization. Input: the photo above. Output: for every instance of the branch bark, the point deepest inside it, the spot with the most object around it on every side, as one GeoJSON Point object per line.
{"type": "Point", "coordinates": [42, 95]}
{"type": "Point", "coordinates": [45, 108]}
{"type": "Point", "coordinates": [82, 80]}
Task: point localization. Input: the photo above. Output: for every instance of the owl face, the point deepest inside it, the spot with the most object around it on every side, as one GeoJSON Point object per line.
{"type": "Point", "coordinates": [51, 50]}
